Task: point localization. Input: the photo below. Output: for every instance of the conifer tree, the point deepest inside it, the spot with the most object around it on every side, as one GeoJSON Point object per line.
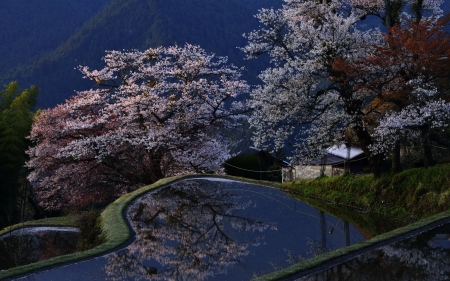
{"type": "Point", "coordinates": [16, 115]}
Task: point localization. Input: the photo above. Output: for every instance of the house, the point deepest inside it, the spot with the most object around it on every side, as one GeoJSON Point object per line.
{"type": "Point", "coordinates": [337, 160]}
{"type": "Point", "coordinates": [255, 163]}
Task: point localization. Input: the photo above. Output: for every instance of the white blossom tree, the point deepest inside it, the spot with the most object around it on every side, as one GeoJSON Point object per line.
{"type": "Point", "coordinates": [152, 114]}
{"type": "Point", "coordinates": [297, 102]}
{"type": "Point", "coordinates": [304, 99]}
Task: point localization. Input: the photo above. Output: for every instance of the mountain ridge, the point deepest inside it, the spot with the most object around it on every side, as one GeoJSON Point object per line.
{"type": "Point", "coordinates": [78, 32]}
{"type": "Point", "coordinates": [217, 26]}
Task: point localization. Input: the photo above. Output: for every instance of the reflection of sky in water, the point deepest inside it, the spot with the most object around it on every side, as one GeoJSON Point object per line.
{"type": "Point", "coordinates": [425, 257]}
{"type": "Point", "coordinates": [234, 216]}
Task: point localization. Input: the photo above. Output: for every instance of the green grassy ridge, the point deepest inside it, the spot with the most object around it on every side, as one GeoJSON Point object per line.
{"type": "Point", "coordinates": [114, 227]}
{"type": "Point", "coordinates": [69, 221]}
{"type": "Point", "coordinates": [412, 194]}
{"type": "Point", "coordinates": [354, 190]}
{"type": "Point", "coordinates": [374, 242]}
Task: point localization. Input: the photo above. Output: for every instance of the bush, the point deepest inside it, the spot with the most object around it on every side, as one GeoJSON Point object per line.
{"type": "Point", "coordinates": [90, 230]}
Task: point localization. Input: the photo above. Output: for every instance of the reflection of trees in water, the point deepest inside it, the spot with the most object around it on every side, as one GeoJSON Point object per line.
{"type": "Point", "coordinates": [193, 230]}
{"type": "Point", "coordinates": [15, 250]}
{"type": "Point", "coordinates": [24, 246]}
{"type": "Point", "coordinates": [424, 257]}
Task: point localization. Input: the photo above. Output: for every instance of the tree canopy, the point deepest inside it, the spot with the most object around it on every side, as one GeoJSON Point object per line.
{"type": "Point", "coordinates": [310, 100]}
{"type": "Point", "coordinates": [408, 76]}
{"type": "Point", "coordinates": [16, 115]}
{"type": "Point", "coordinates": [153, 113]}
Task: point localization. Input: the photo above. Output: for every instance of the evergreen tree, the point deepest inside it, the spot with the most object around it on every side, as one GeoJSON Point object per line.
{"type": "Point", "coordinates": [16, 115]}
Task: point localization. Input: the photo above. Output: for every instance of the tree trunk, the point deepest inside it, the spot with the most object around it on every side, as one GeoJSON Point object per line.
{"type": "Point", "coordinates": [39, 213]}
{"type": "Point", "coordinates": [365, 140]}
{"type": "Point", "coordinates": [155, 172]}
{"type": "Point", "coordinates": [396, 164]}
{"type": "Point", "coordinates": [416, 9]}
{"type": "Point", "coordinates": [388, 15]}
{"type": "Point", "coordinates": [426, 147]}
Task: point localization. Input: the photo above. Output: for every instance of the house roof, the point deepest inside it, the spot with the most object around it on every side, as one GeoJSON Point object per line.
{"type": "Point", "coordinates": [338, 154]}
{"type": "Point", "coordinates": [329, 160]}
{"type": "Point", "coordinates": [343, 151]}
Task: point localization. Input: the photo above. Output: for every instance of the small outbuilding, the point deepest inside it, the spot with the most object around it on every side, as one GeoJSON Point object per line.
{"type": "Point", "coordinates": [337, 160]}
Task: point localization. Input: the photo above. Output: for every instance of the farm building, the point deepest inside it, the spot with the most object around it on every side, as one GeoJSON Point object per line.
{"type": "Point", "coordinates": [336, 161]}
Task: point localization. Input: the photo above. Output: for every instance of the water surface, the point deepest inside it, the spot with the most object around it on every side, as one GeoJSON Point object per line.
{"type": "Point", "coordinates": [211, 229]}
{"type": "Point", "coordinates": [420, 258]}
{"type": "Point", "coordinates": [32, 244]}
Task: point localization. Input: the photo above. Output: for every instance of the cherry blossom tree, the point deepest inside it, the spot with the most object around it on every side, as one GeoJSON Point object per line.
{"type": "Point", "coordinates": [297, 102]}
{"type": "Point", "coordinates": [409, 76]}
{"type": "Point", "coordinates": [152, 114]}
{"type": "Point", "coordinates": [304, 100]}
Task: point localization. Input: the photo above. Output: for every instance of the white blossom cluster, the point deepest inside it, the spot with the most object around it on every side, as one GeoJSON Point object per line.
{"type": "Point", "coordinates": [301, 102]}
{"type": "Point", "coordinates": [302, 38]}
{"type": "Point", "coordinates": [425, 111]}
{"type": "Point", "coordinates": [152, 114]}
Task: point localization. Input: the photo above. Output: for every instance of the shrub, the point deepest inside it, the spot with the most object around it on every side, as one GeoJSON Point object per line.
{"type": "Point", "coordinates": [90, 230]}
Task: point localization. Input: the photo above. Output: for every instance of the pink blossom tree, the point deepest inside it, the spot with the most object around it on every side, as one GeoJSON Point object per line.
{"type": "Point", "coordinates": [152, 114]}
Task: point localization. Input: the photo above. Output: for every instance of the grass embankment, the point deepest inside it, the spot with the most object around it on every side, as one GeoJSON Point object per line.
{"type": "Point", "coordinates": [346, 253]}
{"type": "Point", "coordinates": [71, 221]}
{"type": "Point", "coordinates": [417, 194]}
{"type": "Point", "coordinates": [412, 194]}
{"type": "Point", "coordinates": [113, 224]}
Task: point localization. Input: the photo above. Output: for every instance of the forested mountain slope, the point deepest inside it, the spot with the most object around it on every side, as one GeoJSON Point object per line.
{"type": "Point", "coordinates": [44, 41]}
{"type": "Point", "coordinates": [32, 28]}
{"type": "Point", "coordinates": [124, 24]}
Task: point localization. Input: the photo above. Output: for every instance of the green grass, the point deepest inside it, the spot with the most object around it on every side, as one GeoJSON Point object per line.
{"type": "Point", "coordinates": [419, 194]}
{"type": "Point", "coordinates": [114, 228]}
{"type": "Point", "coordinates": [70, 220]}
{"type": "Point", "coordinates": [413, 194]}
{"type": "Point", "coordinates": [320, 259]}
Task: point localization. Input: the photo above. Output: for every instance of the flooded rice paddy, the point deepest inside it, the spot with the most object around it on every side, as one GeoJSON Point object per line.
{"type": "Point", "coordinates": [213, 229]}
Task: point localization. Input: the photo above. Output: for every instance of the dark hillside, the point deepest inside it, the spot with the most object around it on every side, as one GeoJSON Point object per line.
{"type": "Point", "coordinates": [31, 28]}
{"type": "Point", "coordinates": [217, 26]}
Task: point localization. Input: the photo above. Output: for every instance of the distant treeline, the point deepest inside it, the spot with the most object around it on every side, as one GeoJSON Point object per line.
{"type": "Point", "coordinates": [45, 42]}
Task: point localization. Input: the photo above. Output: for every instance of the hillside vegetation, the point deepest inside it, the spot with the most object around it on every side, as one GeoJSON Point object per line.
{"type": "Point", "coordinates": [412, 194]}
{"type": "Point", "coordinates": [217, 26]}
{"type": "Point", "coordinates": [32, 28]}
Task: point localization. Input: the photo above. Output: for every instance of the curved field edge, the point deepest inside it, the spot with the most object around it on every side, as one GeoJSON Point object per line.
{"type": "Point", "coordinates": [114, 228]}
{"type": "Point", "coordinates": [335, 257]}
{"type": "Point", "coordinates": [117, 232]}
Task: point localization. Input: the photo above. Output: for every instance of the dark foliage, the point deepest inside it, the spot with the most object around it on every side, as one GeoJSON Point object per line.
{"type": "Point", "coordinates": [259, 165]}
{"type": "Point", "coordinates": [90, 230]}
{"type": "Point", "coordinates": [16, 113]}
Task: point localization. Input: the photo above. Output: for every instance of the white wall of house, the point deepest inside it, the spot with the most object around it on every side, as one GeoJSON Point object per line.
{"type": "Point", "coordinates": [298, 172]}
